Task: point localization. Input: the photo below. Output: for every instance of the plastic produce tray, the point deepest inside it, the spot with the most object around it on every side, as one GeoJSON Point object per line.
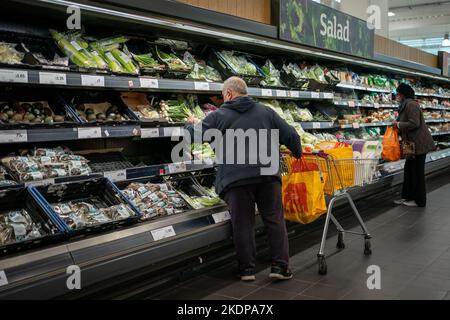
{"type": "Point", "coordinates": [101, 189]}
{"type": "Point", "coordinates": [18, 198]}
{"type": "Point", "coordinates": [170, 73]}
{"type": "Point", "coordinates": [220, 64]}
{"type": "Point", "coordinates": [140, 46]}
{"type": "Point", "coordinates": [111, 161]}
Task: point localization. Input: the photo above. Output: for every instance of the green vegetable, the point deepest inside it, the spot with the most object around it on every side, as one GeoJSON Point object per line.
{"type": "Point", "coordinates": [113, 64]}
{"type": "Point", "coordinates": [76, 56]}
{"type": "Point", "coordinates": [272, 75]}
{"type": "Point", "coordinates": [172, 61]}
{"type": "Point", "coordinates": [125, 61]}
{"type": "Point", "coordinates": [239, 64]}
{"type": "Point", "coordinates": [108, 44]}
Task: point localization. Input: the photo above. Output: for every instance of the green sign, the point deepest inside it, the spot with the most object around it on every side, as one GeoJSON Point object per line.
{"type": "Point", "coordinates": [310, 23]}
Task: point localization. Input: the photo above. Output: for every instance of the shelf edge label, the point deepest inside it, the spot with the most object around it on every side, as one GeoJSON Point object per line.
{"type": "Point", "coordinates": [177, 167]}
{"type": "Point", "coordinates": [294, 94]}
{"type": "Point", "coordinates": [173, 131]}
{"type": "Point", "coordinates": [17, 76]}
{"type": "Point", "coordinates": [89, 133]}
{"type": "Point", "coordinates": [315, 95]}
{"type": "Point", "coordinates": [281, 93]}
{"type": "Point", "coordinates": [52, 78]}
{"type": "Point", "coordinates": [201, 86]}
{"type": "Point", "coordinates": [92, 81]}
{"type": "Point", "coordinates": [114, 176]}
{"type": "Point", "coordinates": [163, 233]}
{"type": "Point", "coordinates": [10, 136]}
{"type": "Point", "coordinates": [221, 216]}
{"type": "Point", "coordinates": [149, 133]}
{"type": "Point", "coordinates": [266, 92]}
{"type": "Point", "coordinates": [316, 125]}
{"type": "Point", "coordinates": [149, 83]}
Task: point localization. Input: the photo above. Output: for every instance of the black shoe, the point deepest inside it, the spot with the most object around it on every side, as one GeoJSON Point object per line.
{"type": "Point", "coordinates": [248, 274]}
{"type": "Point", "coordinates": [280, 273]}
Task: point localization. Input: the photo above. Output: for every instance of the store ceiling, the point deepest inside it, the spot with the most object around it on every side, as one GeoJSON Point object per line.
{"type": "Point", "coordinates": [418, 19]}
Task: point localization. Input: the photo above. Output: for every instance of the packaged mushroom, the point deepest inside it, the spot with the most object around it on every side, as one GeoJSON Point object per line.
{"type": "Point", "coordinates": [30, 113]}
{"type": "Point", "coordinates": [17, 226]}
{"type": "Point", "coordinates": [100, 112]}
{"type": "Point", "coordinates": [90, 212]}
{"type": "Point", "coordinates": [155, 200]}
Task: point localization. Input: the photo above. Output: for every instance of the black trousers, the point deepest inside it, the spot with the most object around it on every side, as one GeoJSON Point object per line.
{"type": "Point", "coordinates": [241, 202]}
{"type": "Point", "coordinates": [414, 180]}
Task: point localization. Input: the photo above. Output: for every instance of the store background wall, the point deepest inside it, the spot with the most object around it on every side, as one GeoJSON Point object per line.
{"type": "Point", "coordinates": [256, 10]}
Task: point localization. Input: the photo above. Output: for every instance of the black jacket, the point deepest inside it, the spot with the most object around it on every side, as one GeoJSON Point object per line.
{"type": "Point", "coordinates": [244, 113]}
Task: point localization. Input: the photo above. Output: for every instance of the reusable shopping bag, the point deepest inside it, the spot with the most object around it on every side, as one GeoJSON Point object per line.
{"type": "Point", "coordinates": [391, 145]}
{"type": "Point", "coordinates": [302, 192]}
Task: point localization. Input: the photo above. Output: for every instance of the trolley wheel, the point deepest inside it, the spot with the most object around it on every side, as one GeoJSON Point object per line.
{"type": "Point", "coordinates": [340, 243]}
{"type": "Point", "coordinates": [322, 265]}
{"type": "Point", "coordinates": [367, 247]}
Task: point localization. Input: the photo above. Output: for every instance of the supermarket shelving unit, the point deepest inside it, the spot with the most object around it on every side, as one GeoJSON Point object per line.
{"type": "Point", "coordinates": [42, 272]}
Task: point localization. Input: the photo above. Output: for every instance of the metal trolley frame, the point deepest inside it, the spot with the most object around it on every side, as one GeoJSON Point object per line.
{"type": "Point", "coordinates": [340, 175]}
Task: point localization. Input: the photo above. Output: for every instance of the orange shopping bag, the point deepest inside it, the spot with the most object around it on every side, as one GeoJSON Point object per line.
{"type": "Point", "coordinates": [391, 145]}
{"type": "Point", "coordinates": [302, 192]}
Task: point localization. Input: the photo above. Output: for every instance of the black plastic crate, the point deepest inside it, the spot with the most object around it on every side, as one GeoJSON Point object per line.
{"type": "Point", "coordinates": [170, 73]}
{"type": "Point", "coordinates": [289, 79]}
{"type": "Point", "coordinates": [36, 102]}
{"type": "Point", "coordinates": [220, 64]}
{"type": "Point", "coordinates": [20, 198]}
{"type": "Point", "coordinates": [259, 63]}
{"type": "Point", "coordinates": [75, 99]}
{"type": "Point", "coordinates": [111, 161]}
{"type": "Point", "coordinates": [100, 191]}
{"type": "Point", "coordinates": [138, 46]}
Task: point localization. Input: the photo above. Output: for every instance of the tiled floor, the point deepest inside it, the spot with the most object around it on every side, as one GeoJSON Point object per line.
{"type": "Point", "coordinates": [410, 245]}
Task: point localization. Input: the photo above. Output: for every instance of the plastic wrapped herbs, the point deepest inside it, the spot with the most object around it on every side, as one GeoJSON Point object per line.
{"type": "Point", "coordinates": [43, 163]}
{"type": "Point", "coordinates": [155, 200]}
{"type": "Point", "coordinates": [272, 76]}
{"type": "Point", "coordinates": [87, 213]}
{"type": "Point", "coordinates": [200, 70]}
{"type": "Point", "coordinates": [9, 55]}
{"type": "Point", "coordinates": [17, 226]}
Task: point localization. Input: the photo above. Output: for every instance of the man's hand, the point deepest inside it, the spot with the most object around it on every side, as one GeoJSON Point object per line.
{"type": "Point", "coordinates": [192, 120]}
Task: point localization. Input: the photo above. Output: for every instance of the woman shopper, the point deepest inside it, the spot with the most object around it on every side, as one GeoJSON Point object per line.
{"type": "Point", "coordinates": [414, 133]}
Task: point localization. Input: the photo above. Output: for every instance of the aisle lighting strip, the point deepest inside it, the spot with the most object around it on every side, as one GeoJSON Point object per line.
{"type": "Point", "coordinates": [185, 27]}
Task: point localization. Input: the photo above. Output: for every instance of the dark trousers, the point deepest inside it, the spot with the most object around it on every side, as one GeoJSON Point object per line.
{"type": "Point", "coordinates": [414, 180]}
{"type": "Point", "coordinates": [241, 202]}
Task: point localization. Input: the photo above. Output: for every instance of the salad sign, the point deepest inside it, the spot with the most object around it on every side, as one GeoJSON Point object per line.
{"type": "Point", "coordinates": [314, 24]}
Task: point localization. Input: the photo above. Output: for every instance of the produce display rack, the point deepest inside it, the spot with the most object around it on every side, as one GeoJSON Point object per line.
{"type": "Point", "coordinates": [41, 272]}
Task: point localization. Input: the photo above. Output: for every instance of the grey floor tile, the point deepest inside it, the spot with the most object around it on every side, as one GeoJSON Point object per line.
{"type": "Point", "coordinates": [270, 294]}
{"type": "Point", "coordinates": [218, 297]}
{"type": "Point", "coordinates": [432, 282]}
{"type": "Point", "coordinates": [327, 292]}
{"type": "Point", "coordinates": [185, 294]}
{"type": "Point", "coordinates": [412, 292]}
{"type": "Point", "coordinates": [237, 290]}
{"type": "Point", "coordinates": [303, 297]}
{"type": "Point", "coordinates": [365, 294]}
{"type": "Point", "coordinates": [292, 285]}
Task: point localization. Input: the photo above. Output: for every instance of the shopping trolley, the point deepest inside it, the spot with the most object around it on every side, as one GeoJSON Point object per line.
{"type": "Point", "coordinates": [340, 176]}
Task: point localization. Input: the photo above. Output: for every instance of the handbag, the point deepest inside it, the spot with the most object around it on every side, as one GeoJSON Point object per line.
{"type": "Point", "coordinates": [408, 148]}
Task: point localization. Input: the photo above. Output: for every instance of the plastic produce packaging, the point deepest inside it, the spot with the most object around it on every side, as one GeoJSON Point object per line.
{"type": "Point", "coordinates": [155, 200]}
{"type": "Point", "coordinates": [272, 75]}
{"type": "Point", "coordinates": [9, 55]}
{"type": "Point", "coordinates": [17, 226]}
{"type": "Point", "coordinates": [200, 70]}
{"type": "Point", "coordinates": [239, 63]}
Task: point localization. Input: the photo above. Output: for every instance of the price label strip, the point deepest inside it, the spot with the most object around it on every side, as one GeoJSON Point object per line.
{"type": "Point", "coordinates": [351, 104]}
{"type": "Point", "coordinates": [92, 81]}
{"type": "Point", "coordinates": [266, 92]}
{"type": "Point", "coordinates": [281, 93]}
{"type": "Point", "coordinates": [177, 167]}
{"type": "Point", "coordinates": [89, 133]}
{"type": "Point", "coordinates": [316, 125]}
{"type": "Point", "coordinates": [149, 83]}
{"type": "Point", "coordinates": [315, 95]}
{"type": "Point", "coordinates": [52, 78]}
{"type": "Point", "coordinates": [114, 176]}
{"type": "Point", "coordinates": [328, 95]}
{"type": "Point", "coordinates": [221, 216]}
{"type": "Point", "coordinates": [356, 125]}
{"type": "Point", "coordinates": [294, 94]}
{"type": "Point", "coordinates": [163, 233]}
{"type": "Point", "coordinates": [11, 136]}
{"type": "Point", "coordinates": [149, 133]}
{"type": "Point", "coordinates": [173, 131]}
{"type": "Point", "coordinates": [201, 86]}
{"type": "Point", "coordinates": [13, 76]}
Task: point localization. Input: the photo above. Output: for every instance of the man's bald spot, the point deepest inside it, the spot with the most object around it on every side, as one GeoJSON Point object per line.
{"type": "Point", "coordinates": [236, 85]}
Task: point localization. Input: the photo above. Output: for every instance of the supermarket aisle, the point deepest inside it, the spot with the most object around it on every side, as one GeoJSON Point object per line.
{"type": "Point", "coordinates": [410, 245]}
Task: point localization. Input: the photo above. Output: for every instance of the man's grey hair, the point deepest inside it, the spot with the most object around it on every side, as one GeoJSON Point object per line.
{"type": "Point", "coordinates": [235, 84]}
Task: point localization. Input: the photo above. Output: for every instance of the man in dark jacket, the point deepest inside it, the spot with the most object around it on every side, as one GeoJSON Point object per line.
{"type": "Point", "coordinates": [251, 180]}
{"type": "Point", "coordinates": [412, 128]}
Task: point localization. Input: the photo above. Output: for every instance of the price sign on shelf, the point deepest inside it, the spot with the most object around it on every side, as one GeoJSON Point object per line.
{"type": "Point", "coordinates": [328, 95]}
{"type": "Point", "coordinates": [8, 136]}
{"type": "Point", "coordinates": [355, 125]}
{"type": "Point", "coordinates": [294, 94]}
{"type": "Point", "coordinates": [376, 105]}
{"type": "Point", "coordinates": [281, 93]}
{"type": "Point", "coordinates": [266, 92]}
{"type": "Point", "coordinates": [201, 86]}
{"type": "Point", "coordinates": [92, 81]}
{"type": "Point", "coordinates": [173, 131]}
{"type": "Point", "coordinates": [177, 167]}
{"type": "Point", "coordinates": [149, 132]}
{"type": "Point", "coordinates": [315, 95]}
{"type": "Point", "coordinates": [163, 233]}
{"type": "Point", "coordinates": [13, 76]}
{"type": "Point", "coordinates": [316, 125]}
{"type": "Point", "coordinates": [351, 104]}
{"type": "Point", "coordinates": [114, 176]}
{"type": "Point", "coordinates": [221, 216]}
{"type": "Point", "coordinates": [149, 83]}
{"type": "Point", "coordinates": [52, 78]}
{"type": "Point", "coordinates": [89, 133]}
